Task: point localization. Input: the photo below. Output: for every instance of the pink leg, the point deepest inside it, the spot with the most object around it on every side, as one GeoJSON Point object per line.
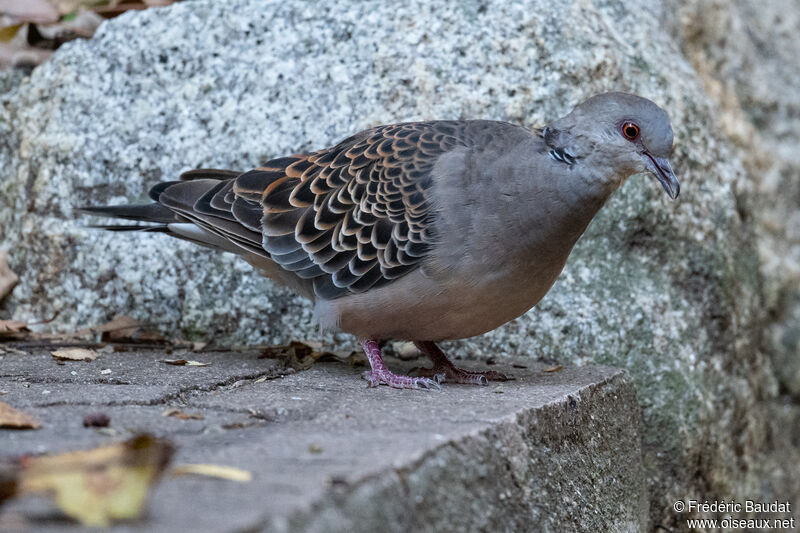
{"type": "Point", "coordinates": [442, 365]}
{"type": "Point", "coordinates": [381, 375]}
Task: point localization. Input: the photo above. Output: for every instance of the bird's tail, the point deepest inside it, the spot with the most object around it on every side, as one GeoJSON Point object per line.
{"type": "Point", "coordinates": [155, 217]}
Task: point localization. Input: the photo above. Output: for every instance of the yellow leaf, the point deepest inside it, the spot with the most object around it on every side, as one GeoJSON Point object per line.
{"type": "Point", "coordinates": [100, 485]}
{"type": "Point", "coordinates": [9, 32]}
{"type": "Point", "coordinates": [223, 472]}
{"type": "Point", "coordinates": [75, 354]}
{"type": "Point", "coordinates": [11, 418]}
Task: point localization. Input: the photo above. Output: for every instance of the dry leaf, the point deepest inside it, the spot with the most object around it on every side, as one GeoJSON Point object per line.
{"type": "Point", "coordinates": [177, 413]}
{"type": "Point", "coordinates": [100, 485]}
{"type": "Point", "coordinates": [556, 368]}
{"type": "Point", "coordinates": [35, 28]}
{"type": "Point", "coordinates": [7, 34]}
{"type": "Point", "coordinates": [301, 355]}
{"type": "Point", "coordinates": [75, 354]}
{"type": "Point", "coordinates": [29, 10]}
{"type": "Point", "coordinates": [223, 472]}
{"type": "Point", "coordinates": [123, 328]}
{"type": "Point", "coordinates": [11, 418]}
{"type": "Point", "coordinates": [96, 420]}
{"type": "Point", "coordinates": [13, 329]}
{"type": "Point", "coordinates": [183, 362]}
{"type": "Point", "coordinates": [15, 55]}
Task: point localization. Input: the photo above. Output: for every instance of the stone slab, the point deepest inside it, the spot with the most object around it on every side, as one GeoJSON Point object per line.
{"type": "Point", "coordinates": [554, 450]}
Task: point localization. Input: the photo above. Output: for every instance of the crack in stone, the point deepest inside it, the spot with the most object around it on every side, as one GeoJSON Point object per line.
{"type": "Point", "coordinates": [201, 390]}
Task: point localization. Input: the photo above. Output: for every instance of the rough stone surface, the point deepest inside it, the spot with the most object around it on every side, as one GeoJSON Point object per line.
{"type": "Point", "coordinates": [744, 52]}
{"type": "Point", "coordinates": [695, 298]}
{"type": "Point", "coordinates": [328, 455]}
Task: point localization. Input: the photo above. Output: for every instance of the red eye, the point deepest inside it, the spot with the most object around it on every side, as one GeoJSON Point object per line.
{"type": "Point", "coordinates": [630, 130]}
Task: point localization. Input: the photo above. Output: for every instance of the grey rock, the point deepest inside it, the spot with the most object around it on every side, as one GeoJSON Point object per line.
{"type": "Point", "coordinates": [678, 294]}
{"type": "Point", "coordinates": [743, 51]}
{"type": "Point", "coordinates": [560, 450]}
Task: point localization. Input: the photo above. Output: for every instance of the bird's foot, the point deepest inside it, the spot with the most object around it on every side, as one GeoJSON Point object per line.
{"type": "Point", "coordinates": [397, 381]}
{"type": "Point", "coordinates": [453, 374]}
{"type": "Point", "coordinates": [380, 375]}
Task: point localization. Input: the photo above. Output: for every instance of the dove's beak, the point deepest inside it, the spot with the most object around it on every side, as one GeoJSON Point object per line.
{"type": "Point", "coordinates": [662, 170]}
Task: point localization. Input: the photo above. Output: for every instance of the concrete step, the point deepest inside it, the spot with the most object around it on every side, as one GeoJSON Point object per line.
{"type": "Point", "coordinates": [548, 451]}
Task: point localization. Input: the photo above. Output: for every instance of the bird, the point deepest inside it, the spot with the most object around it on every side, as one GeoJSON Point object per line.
{"type": "Point", "coordinates": [420, 231]}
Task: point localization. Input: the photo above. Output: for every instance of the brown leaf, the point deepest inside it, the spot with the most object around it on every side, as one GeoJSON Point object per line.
{"type": "Point", "coordinates": [557, 368]}
{"type": "Point", "coordinates": [9, 483]}
{"type": "Point", "coordinates": [11, 418]}
{"type": "Point", "coordinates": [301, 355]}
{"type": "Point", "coordinates": [100, 485]}
{"type": "Point", "coordinates": [123, 329]}
{"type": "Point", "coordinates": [13, 329]}
{"type": "Point", "coordinates": [75, 354]}
{"type": "Point", "coordinates": [96, 420]}
{"type": "Point", "coordinates": [183, 362]}
{"type": "Point", "coordinates": [177, 413]}
{"type": "Point", "coordinates": [223, 472]}
{"type": "Point", "coordinates": [14, 55]}
{"type": "Point", "coordinates": [29, 10]}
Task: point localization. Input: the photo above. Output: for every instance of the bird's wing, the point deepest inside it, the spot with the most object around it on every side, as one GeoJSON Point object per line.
{"type": "Point", "coordinates": [349, 218]}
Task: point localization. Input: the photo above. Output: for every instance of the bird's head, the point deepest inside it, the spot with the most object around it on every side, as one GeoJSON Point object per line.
{"type": "Point", "coordinates": [631, 133]}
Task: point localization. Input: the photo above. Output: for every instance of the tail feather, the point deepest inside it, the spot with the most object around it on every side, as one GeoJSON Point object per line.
{"type": "Point", "coordinates": [153, 213]}
{"type": "Point", "coordinates": [129, 227]}
{"type": "Point", "coordinates": [178, 210]}
{"type": "Point", "coordinates": [212, 173]}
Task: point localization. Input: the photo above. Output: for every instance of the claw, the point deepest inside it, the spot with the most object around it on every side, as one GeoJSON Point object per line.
{"type": "Point", "coordinates": [427, 384]}
{"type": "Point", "coordinates": [443, 369]}
{"type": "Point", "coordinates": [396, 381]}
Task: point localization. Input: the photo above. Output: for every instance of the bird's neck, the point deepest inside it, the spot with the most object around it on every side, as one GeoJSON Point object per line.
{"type": "Point", "coordinates": [557, 211]}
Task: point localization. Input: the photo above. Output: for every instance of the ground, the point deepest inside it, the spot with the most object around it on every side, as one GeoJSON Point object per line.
{"type": "Point", "coordinates": [327, 453]}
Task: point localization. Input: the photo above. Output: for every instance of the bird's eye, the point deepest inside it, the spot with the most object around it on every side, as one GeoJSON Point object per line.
{"type": "Point", "coordinates": [630, 131]}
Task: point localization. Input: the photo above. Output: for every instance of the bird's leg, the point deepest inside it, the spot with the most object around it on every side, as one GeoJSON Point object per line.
{"type": "Point", "coordinates": [381, 375]}
{"type": "Point", "coordinates": [442, 365]}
